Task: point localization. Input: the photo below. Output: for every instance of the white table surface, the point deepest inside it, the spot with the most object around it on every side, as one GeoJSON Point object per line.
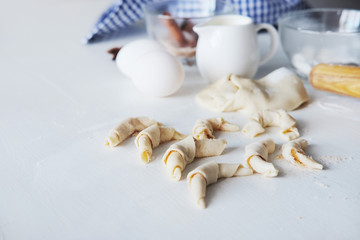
{"type": "Point", "coordinates": [59, 99]}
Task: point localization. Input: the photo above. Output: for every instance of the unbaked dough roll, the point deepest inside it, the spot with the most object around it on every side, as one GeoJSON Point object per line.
{"type": "Point", "coordinates": [294, 153]}
{"type": "Point", "coordinates": [256, 156]}
{"type": "Point", "coordinates": [151, 137]}
{"type": "Point", "coordinates": [204, 128]}
{"type": "Point", "coordinates": [271, 118]}
{"type": "Point", "coordinates": [180, 154]}
{"type": "Point", "coordinates": [127, 128]}
{"type": "Point", "coordinates": [209, 173]}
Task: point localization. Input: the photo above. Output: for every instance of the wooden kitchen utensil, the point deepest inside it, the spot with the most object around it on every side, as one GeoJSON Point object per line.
{"type": "Point", "coordinates": [341, 79]}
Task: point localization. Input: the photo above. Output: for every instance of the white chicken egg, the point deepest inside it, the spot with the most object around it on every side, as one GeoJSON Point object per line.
{"type": "Point", "coordinates": [132, 51]}
{"type": "Point", "coordinates": [158, 74]}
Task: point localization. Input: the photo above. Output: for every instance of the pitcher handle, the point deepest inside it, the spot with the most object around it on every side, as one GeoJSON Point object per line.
{"type": "Point", "coordinates": [274, 41]}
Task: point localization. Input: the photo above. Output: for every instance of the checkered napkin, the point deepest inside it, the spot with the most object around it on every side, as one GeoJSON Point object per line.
{"type": "Point", "coordinates": [123, 13]}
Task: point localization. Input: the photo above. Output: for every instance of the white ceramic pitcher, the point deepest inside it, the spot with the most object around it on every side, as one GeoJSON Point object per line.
{"type": "Point", "coordinates": [228, 44]}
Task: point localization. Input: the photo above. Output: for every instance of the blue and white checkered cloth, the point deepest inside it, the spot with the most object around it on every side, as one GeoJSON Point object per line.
{"type": "Point", "coordinates": [123, 13]}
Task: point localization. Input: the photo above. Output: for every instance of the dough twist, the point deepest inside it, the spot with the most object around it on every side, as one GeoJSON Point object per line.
{"type": "Point", "coordinates": [204, 128]}
{"type": "Point", "coordinates": [152, 137]}
{"type": "Point", "coordinates": [209, 173]}
{"type": "Point", "coordinates": [127, 128]}
{"type": "Point", "coordinates": [271, 118]}
{"type": "Point", "coordinates": [182, 153]}
{"type": "Point", "coordinates": [256, 155]}
{"type": "Point", "coordinates": [294, 153]}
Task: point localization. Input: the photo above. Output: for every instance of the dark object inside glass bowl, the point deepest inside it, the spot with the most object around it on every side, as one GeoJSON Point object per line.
{"type": "Point", "coordinates": [171, 23]}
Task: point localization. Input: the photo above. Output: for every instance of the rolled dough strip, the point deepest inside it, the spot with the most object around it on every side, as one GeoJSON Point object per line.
{"type": "Point", "coordinates": [256, 156]}
{"type": "Point", "coordinates": [179, 155]}
{"type": "Point", "coordinates": [294, 153]}
{"type": "Point", "coordinates": [204, 128]}
{"type": "Point", "coordinates": [152, 137]}
{"type": "Point", "coordinates": [127, 128]}
{"type": "Point", "coordinates": [182, 153]}
{"type": "Point", "coordinates": [209, 173]}
{"type": "Point", "coordinates": [271, 118]}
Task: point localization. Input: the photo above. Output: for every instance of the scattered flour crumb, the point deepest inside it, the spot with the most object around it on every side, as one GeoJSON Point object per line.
{"type": "Point", "coordinates": [321, 184]}
{"type": "Point", "coordinates": [334, 159]}
{"type": "Point", "coordinates": [330, 196]}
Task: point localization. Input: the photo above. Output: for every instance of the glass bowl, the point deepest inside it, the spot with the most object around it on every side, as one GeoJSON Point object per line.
{"type": "Point", "coordinates": [314, 36]}
{"type": "Point", "coordinates": [171, 23]}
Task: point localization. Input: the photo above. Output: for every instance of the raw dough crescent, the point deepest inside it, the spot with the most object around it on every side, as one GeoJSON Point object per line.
{"type": "Point", "coordinates": [179, 155]}
{"type": "Point", "coordinates": [209, 173]}
{"type": "Point", "coordinates": [281, 89]}
{"type": "Point", "coordinates": [182, 153]}
{"type": "Point", "coordinates": [151, 137]}
{"type": "Point", "coordinates": [204, 128]}
{"type": "Point", "coordinates": [127, 128]}
{"type": "Point", "coordinates": [294, 153]}
{"type": "Point", "coordinates": [271, 118]}
{"type": "Point", "coordinates": [256, 156]}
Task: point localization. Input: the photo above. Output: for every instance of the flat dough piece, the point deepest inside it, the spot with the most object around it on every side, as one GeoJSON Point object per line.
{"type": "Point", "coordinates": [151, 137]}
{"type": "Point", "coordinates": [271, 118]}
{"type": "Point", "coordinates": [256, 156]}
{"type": "Point", "coordinates": [209, 147]}
{"type": "Point", "coordinates": [168, 134]}
{"type": "Point", "coordinates": [281, 89]}
{"type": "Point", "coordinates": [293, 151]}
{"type": "Point", "coordinates": [127, 128]}
{"type": "Point", "coordinates": [209, 173]}
{"type": "Point", "coordinates": [204, 128]}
